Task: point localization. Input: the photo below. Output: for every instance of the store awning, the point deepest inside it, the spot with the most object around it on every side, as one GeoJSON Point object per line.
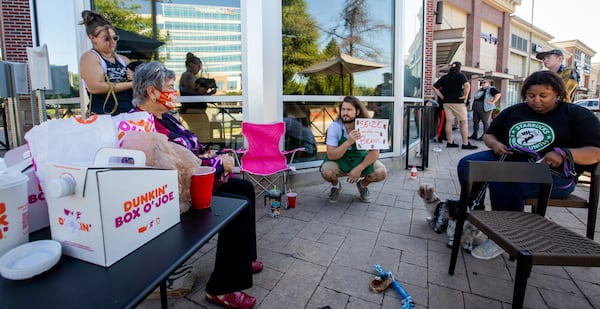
{"type": "Point", "coordinates": [498, 75]}
{"type": "Point", "coordinates": [447, 42]}
{"type": "Point", "coordinates": [470, 72]}
{"type": "Point", "coordinates": [136, 46]}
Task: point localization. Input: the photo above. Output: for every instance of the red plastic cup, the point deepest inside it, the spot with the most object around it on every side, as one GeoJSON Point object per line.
{"type": "Point", "coordinates": [202, 187]}
{"type": "Point", "coordinates": [291, 196]}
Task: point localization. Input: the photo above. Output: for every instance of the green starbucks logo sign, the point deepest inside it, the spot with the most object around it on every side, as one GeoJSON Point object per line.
{"type": "Point", "coordinates": [531, 134]}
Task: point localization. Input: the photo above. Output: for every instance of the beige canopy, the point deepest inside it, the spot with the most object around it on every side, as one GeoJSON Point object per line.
{"type": "Point", "coordinates": [341, 65]}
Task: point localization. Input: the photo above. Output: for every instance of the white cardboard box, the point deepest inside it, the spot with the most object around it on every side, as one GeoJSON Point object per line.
{"type": "Point", "coordinates": [110, 210]}
{"type": "Point", "coordinates": [37, 210]}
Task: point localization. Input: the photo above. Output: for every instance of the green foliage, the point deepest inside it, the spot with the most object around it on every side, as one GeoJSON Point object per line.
{"type": "Point", "coordinates": [353, 36]}
{"type": "Point", "coordinates": [362, 90]}
{"type": "Point", "coordinates": [299, 35]}
{"type": "Point", "coordinates": [125, 14]}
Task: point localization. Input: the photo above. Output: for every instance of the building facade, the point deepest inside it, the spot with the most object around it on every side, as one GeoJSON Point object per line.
{"type": "Point", "coordinates": [477, 34]}
{"type": "Point", "coordinates": [493, 43]}
{"type": "Point", "coordinates": [243, 48]}
{"type": "Point", "coordinates": [212, 33]}
{"type": "Point", "coordinates": [245, 44]}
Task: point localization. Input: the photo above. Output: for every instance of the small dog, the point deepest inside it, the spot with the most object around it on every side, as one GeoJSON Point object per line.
{"type": "Point", "coordinates": [443, 216]}
{"type": "Point", "coordinates": [436, 208]}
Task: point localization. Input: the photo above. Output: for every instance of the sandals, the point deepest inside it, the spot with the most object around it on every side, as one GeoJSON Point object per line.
{"type": "Point", "coordinates": [235, 300]}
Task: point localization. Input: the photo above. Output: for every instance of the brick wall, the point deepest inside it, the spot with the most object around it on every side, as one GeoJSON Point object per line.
{"type": "Point", "coordinates": [429, 21]}
{"type": "Point", "coordinates": [16, 30]}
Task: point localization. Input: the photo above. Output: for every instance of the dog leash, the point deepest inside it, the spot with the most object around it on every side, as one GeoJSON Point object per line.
{"type": "Point", "coordinates": [568, 169]}
{"type": "Point", "coordinates": [480, 195]}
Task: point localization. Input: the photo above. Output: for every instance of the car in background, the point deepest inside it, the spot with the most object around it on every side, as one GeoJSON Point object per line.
{"type": "Point", "coordinates": [588, 103]}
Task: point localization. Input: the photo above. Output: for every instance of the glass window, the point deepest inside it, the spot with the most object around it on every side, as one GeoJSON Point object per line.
{"type": "Point", "coordinates": [336, 47]}
{"type": "Point", "coordinates": [413, 49]}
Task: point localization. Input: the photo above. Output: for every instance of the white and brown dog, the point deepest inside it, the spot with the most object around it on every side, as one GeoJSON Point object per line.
{"type": "Point", "coordinates": [438, 210]}
{"type": "Point", "coordinates": [442, 217]}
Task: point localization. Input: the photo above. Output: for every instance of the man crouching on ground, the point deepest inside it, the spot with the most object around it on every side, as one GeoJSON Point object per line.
{"type": "Point", "coordinates": [344, 159]}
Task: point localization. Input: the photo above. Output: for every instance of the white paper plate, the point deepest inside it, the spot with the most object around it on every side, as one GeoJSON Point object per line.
{"type": "Point", "coordinates": [30, 259]}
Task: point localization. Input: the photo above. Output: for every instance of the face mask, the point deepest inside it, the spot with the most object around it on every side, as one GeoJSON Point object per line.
{"type": "Point", "coordinates": [167, 99]}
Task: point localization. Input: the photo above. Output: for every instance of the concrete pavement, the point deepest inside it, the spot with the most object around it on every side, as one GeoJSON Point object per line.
{"type": "Point", "coordinates": [321, 254]}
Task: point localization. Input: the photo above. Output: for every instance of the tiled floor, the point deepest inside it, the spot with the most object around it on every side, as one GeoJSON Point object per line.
{"type": "Point", "coordinates": [321, 254]}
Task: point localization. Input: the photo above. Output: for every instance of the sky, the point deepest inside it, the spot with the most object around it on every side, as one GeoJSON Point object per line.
{"type": "Point", "coordinates": [57, 31]}
{"type": "Point", "coordinates": [565, 20]}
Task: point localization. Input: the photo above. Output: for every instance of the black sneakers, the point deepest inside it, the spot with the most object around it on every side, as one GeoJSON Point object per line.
{"type": "Point", "coordinates": [451, 145]}
{"type": "Point", "coordinates": [468, 146]}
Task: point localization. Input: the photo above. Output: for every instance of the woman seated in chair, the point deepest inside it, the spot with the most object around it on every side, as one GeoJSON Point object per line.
{"type": "Point", "coordinates": [544, 129]}
{"type": "Point", "coordinates": [154, 92]}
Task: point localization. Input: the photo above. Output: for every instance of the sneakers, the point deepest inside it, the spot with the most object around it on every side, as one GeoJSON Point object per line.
{"type": "Point", "coordinates": [468, 146]}
{"type": "Point", "coordinates": [487, 250]}
{"type": "Point", "coordinates": [334, 194]}
{"type": "Point", "coordinates": [364, 192]}
{"type": "Point", "coordinates": [451, 145]}
{"type": "Point", "coordinates": [473, 137]}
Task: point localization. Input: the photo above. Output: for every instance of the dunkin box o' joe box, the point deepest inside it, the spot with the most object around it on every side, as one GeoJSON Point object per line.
{"type": "Point", "coordinates": [103, 212]}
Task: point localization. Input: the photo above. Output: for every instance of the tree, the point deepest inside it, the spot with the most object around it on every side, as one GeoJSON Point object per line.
{"type": "Point", "coordinates": [356, 29]}
{"type": "Point", "coordinates": [300, 50]}
{"type": "Point", "coordinates": [125, 14]}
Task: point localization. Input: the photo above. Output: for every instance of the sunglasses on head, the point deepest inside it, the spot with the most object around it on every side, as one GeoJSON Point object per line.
{"type": "Point", "coordinates": [114, 38]}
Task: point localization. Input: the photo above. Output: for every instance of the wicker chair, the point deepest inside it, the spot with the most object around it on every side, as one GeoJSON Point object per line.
{"type": "Point", "coordinates": [529, 238]}
{"type": "Point", "coordinates": [574, 201]}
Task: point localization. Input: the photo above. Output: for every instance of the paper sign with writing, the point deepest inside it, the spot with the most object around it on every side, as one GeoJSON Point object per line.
{"type": "Point", "coordinates": [373, 133]}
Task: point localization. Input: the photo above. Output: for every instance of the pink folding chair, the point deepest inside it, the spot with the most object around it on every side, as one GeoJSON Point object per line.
{"type": "Point", "coordinates": [264, 158]}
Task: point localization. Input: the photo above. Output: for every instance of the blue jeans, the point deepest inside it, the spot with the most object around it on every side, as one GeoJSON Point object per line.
{"type": "Point", "coordinates": [511, 196]}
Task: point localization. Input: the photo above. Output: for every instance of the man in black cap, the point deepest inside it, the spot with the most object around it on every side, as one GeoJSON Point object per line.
{"type": "Point", "coordinates": [553, 61]}
{"type": "Point", "coordinates": [453, 88]}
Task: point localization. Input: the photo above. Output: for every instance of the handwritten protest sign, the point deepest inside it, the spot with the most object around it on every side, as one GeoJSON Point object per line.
{"type": "Point", "coordinates": [373, 133]}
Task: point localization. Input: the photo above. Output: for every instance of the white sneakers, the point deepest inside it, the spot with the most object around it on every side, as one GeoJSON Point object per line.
{"type": "Point", "coordinates": [487, 250]}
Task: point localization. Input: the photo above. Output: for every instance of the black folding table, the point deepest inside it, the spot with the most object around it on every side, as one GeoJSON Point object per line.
{"type": "Point", "coordinates": [73, 283]}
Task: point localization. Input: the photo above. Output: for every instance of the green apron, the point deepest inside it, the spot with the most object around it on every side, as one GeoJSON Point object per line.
{"type": "Point", "coordinates": [352, 158]}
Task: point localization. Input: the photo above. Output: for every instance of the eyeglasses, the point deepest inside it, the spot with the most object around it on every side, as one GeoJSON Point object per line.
{"type": "Point", "coordinates": [114, 38]}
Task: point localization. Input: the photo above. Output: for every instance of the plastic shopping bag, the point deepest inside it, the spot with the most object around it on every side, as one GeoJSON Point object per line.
{"type": "Point", "coordinates": [71, 141]}
{"type": "Point", "coordinates": [138, 121]}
